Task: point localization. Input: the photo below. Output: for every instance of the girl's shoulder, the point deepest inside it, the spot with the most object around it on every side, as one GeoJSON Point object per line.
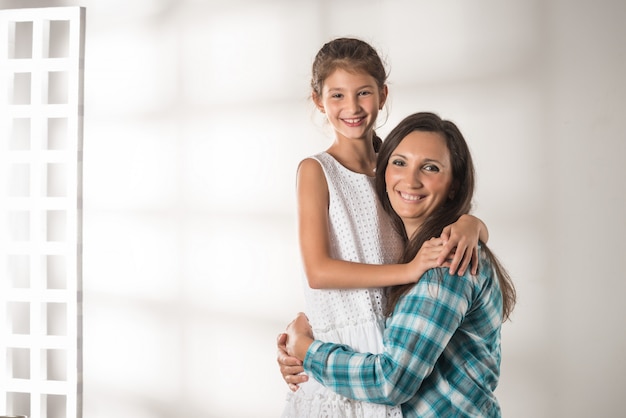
{"type": "Point", "coordinates": [311, 164]}
{"type": "Point", "coordinates": [321, 162]}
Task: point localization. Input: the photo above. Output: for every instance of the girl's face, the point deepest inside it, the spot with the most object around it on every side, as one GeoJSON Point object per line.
{"type": "Point", "coordinates": [418, 177]}
{"type": "Point", "coordinates": [351, 102]}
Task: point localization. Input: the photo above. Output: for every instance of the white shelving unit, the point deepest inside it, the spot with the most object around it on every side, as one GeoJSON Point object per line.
{"type": "Point", "coordinates": [41, 119]}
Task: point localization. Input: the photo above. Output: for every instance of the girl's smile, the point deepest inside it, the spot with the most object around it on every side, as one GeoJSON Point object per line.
{"type": "Point", "coordinates": [353, 122]}
{"type": "Point", "coordinates": [351, 101]}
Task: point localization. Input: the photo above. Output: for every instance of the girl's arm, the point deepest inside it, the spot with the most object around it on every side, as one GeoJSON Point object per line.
{"type": "Point", "coordinates": [323, 271]}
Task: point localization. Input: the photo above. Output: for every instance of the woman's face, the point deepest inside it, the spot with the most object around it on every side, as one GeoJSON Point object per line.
{"type": "Point", "coordinates": [418, 177]}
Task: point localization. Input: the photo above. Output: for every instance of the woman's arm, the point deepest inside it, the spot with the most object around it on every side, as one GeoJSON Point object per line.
{"type": "Point", "coordinates": [291, 367]}
{"type": "Point", "coordinates": [421, 327]}
{"type": "Point", "coordinates": [323, 271]}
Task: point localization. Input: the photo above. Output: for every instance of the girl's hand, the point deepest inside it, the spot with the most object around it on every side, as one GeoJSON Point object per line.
{"type": "Point", "coordinates": [299, 336]}
{"type": "Point", "coordinates": [461, 244]}
{"type": "Point", "coordinates": [427, 258]}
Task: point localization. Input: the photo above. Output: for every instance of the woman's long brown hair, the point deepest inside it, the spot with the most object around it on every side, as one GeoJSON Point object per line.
{"type": "Point", "coordinates": [463, 179]}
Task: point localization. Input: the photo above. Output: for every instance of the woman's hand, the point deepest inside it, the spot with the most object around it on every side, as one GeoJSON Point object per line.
{"type": "Point", "coordinates": [290, 367]}
{"type": "Point", "coordinates": [461, 243]}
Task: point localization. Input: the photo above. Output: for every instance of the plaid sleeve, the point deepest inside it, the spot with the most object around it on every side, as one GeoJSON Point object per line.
{"type": "Point", "coordinates": [419, 330]}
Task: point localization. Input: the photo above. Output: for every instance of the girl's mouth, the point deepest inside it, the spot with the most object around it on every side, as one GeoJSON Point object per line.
{"type": "Point", "coordinates": [353, 122]}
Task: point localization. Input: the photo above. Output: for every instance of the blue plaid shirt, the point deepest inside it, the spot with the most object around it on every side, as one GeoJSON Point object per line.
{"type": "Point", "coordinates": [442, 351]}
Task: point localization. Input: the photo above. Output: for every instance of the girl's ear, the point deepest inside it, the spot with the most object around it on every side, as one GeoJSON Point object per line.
{"type": "Point", "coordinates": [318, 102]}
{"type": "Point", "coordinates": [383, 96]}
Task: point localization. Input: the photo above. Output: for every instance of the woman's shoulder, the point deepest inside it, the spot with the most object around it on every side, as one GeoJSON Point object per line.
{"type": "Point", "coordinates": [439, 278]}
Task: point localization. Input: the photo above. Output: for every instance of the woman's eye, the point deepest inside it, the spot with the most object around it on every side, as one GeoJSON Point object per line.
{"type": "Point", "coordinates": [431, 167]}
{"type": "Point", "coordinates": [399, 163]}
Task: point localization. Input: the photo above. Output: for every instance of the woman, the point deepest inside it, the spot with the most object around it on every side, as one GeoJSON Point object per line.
{"type": "Point", "coordinates": [346, 241]}
{"type": "Point", "coordinates": [442, 338]}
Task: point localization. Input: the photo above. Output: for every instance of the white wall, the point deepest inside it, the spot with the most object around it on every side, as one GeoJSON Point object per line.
{"type": "Point", "coordinates": [196, 116]}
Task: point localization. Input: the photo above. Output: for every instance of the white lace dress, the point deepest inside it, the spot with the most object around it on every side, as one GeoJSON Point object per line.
{"type": "Point", "coordinates": [360, 231]}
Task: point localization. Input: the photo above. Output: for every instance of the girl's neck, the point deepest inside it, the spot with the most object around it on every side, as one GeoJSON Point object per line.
{"type": "Point", "coordinates": [357, 156]}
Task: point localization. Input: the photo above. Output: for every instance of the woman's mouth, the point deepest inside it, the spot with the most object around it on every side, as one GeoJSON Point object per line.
{"type": "Point", "coordinates": [411, 197]}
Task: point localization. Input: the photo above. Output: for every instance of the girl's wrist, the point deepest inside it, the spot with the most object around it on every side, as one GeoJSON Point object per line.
{"type": "Point", "coordinates": [414, 272]}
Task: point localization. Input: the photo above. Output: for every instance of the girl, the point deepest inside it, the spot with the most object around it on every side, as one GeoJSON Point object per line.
{"type": "Point", "coordinates": [347, 241]}
{"type": "Point", "coordinates": [442, 340]}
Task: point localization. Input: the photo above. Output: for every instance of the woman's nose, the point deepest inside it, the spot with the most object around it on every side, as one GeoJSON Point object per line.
{"type": "Point", "coordinates": [413, 178]}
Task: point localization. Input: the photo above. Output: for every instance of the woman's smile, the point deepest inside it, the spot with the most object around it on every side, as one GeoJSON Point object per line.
{"type": "Point", "coordinates": [411, 197]}
{"type": "Point", "coordinates": [418, 177]}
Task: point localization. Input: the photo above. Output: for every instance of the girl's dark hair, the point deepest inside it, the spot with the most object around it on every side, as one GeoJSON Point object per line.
{"type": "Point", "coordinates": [349, 54]}
{"type": "Point", "coordinates": [460, 203]}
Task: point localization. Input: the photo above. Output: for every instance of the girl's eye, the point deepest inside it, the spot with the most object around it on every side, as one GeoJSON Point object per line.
{"type": "Point", "coordinates": [337, 96]}
{"type": "Point", "coordinates": [365, 93]}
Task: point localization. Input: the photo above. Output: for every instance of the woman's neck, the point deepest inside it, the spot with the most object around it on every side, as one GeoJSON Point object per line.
{"type": "Point", "coordinates": [411, 227]}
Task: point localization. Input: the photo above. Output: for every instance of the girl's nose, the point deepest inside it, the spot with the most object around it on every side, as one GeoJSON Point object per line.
{"type": "Point", "coordinates": [353, 105]}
